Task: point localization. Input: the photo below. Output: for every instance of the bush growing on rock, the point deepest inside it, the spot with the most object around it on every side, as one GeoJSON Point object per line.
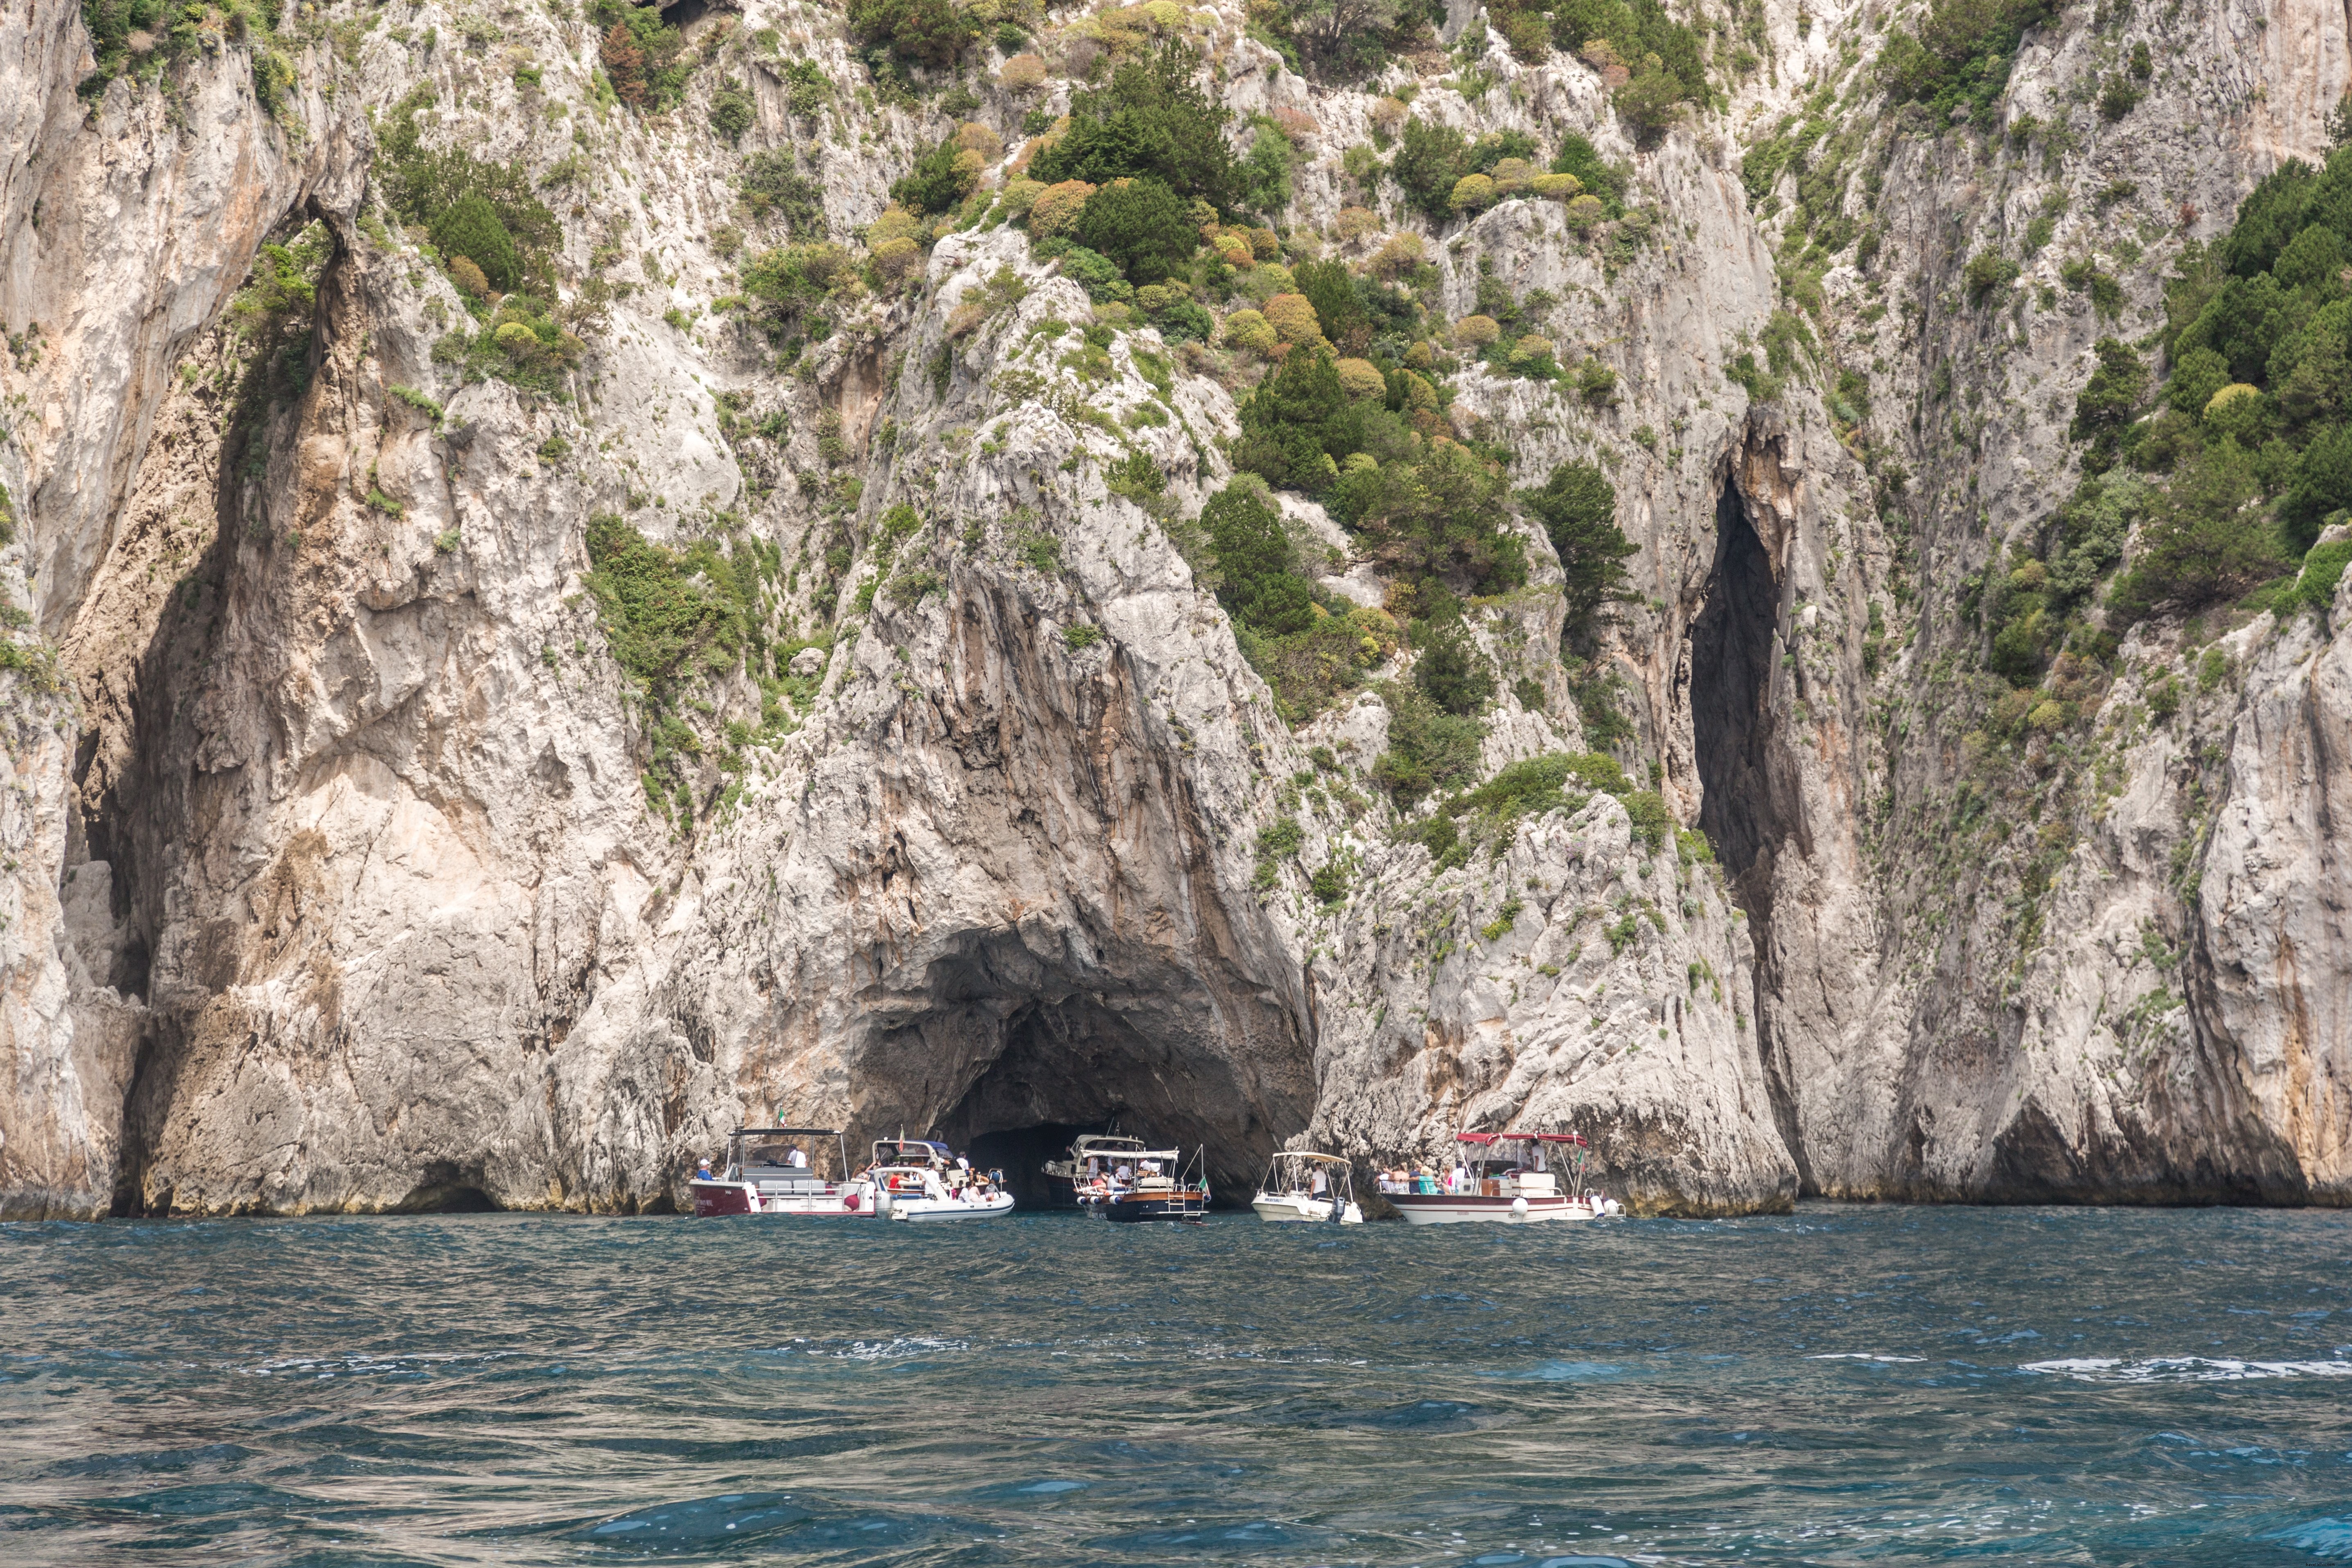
{"type": "Point", "coordinates": [1578, 509]}
{"type": "Point", "coordinates": [1255, 560]}
{"type": "Point", "coordinates": [1057, 206]}
{"type": "Point", "coordinates": [940, 181]}
{"type": "Point", "coordinates": [1476, 331]}
{"type": "Point", "coordinates": [1338, 307]}
{"type": "Point", "coordinates": [732, 111]}
{"type": "Point", "coordinates": [1098, 273]}
{"type": "Point", "coordinates": [1472, 194]}
{"type": "Point", "coordinates": [797, 286]}
{"type": "Point", "coordinates": [1401, 256]}
{"type": "Point", "coordinates": [1428, 166]}
{"type": "Point", "coordinates": [469, 277]}
{"type": "Point", "coordinates": [931, 34]}
{"type": "Point", "coordinates": [771, 186]}
{"type": "Point", "coordinates": [1450, 671]}
{"type": "Point", "coordinates": [1021, 74]}
{"type": "Point", "coordinates": [1444, 518]}
{"type": "Point", "coordinates": [1250, 330]}
{"type": "Point", "coordinates": [2104, 406]}
{"type": "Point", "coordinates": [470, 227]}
{"type": "Point", "coordinates": [423, 184]}
{"type": "Point", "coordinates": [1151, 121]}
{"type": "Point", "coordinates": [1298, 424]}
{"type": "Point", "coordinates": [1429, 749]}
{"type": "Point", "coordinates": [1960, 54]}
{"type": "Point", "coordinates": [2203, 544]}
{"type": "Point", "coordinates": [1141, 225]}
{"type": "Point", "coordinates": [1293, 321]}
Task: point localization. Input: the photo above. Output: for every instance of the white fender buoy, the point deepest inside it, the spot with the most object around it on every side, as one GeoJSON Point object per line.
{"type": "Point", "coordinates": [1518, 1208]}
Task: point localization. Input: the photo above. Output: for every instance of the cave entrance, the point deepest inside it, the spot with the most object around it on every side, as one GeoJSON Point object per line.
{"type": "Point", "coordinates": [1731, 648]}
{"type": "Point", "coordinates": [1010, 1061]}
{"type": "Point", "coordinates": [1746, 804]}
{"type": "Point", "coordinates": [1075, 1064]}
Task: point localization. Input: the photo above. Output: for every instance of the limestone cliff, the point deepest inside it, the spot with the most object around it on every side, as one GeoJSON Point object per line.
{"type": "Point", "coordinates": [365, 848]}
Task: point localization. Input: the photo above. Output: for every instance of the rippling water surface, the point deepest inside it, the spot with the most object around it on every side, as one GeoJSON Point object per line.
{"type": "Point", "coordinates": [1881, 1385]}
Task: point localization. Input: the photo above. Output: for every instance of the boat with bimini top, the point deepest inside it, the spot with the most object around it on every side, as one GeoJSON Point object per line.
{"type": "Point", "coordinates": [1301, 1186]}
{"type": "Point", "coordinates": [1094, 1163]}
{"type": "Point", "coordinates": [1123, 1178]}
{"type": "Point", "coordinates": [917, 1180]}
{"type": "Point", "coordinates": [1505, 1177]}
{"type": "Point", "coordinates": [775, 1171]}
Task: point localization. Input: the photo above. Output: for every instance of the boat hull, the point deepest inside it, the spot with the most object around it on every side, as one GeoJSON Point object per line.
{"type": "Point", "coordinates": [718, 1200]}
{"type": "Point", "coordinates": [1474, 1208]}
{"type": "Point", "coordinates": [1133, 1208]}
{"type": "Point", "coordinates": [933, 1211]}
{"type": "Point", "coordinates": [1291, 1208]}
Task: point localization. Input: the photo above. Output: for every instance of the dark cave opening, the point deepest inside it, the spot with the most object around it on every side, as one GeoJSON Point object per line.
{"type": "Point", "coordinates": [1021, 1153]}
{"type": "Point", "coordinates": [1073, 1065]}
{"type": "Point", "coordinates": [1730, 693]}
{"type": "Point", "coordinates": [1747, 805]}
{"type": "Point", "coordinates": [1008, 1053]}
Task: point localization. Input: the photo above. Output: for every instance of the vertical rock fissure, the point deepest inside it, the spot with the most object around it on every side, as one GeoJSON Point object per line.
{"type": "Point", "coordinates": [1734, 642]}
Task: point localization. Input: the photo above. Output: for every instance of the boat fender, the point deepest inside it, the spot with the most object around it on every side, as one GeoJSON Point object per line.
{"type": "Point", "coordinates": [1518, 1208]}
{"type": "Point", "coordinates": [849, 1202]}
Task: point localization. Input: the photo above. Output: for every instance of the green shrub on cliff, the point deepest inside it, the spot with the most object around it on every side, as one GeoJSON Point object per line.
{"type": "Point", "coordinates": [423, 184]}
{"type": "Point", "coordinates": [2254, 423]}
{"type": "Point", "coordinates": [1151, 121]}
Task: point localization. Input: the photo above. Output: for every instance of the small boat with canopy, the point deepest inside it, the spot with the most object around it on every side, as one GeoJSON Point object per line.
{"type": "Point", "coordinates": [1158, 1190]}
{"type": "Point", "coordinates": [1512, 1178]}
{"type": "Point", "coordinates": [1301, 1186]}
{"type": "Point", "coordinates": [1094, 1163]}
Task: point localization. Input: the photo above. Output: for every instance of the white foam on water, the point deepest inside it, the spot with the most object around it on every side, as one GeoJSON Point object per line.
{"type": "Point", "coordinates": [2183, 1369]}
{"type": "Point", "coordinates": [1866, 1355]}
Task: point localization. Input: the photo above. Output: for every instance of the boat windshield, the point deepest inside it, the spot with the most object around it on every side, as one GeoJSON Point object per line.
{"type": "Point", "coordinates": [1500, 1153]}
{"type": "Point", "coordinates": [810, 1149]}
{"type": "Point", "coordinates": [910, 1152]}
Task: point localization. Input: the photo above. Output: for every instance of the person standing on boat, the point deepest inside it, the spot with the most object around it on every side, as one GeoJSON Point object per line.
{"type": "Point", "coordinates": [1315, 1183]}
{"type": "Point", "coordinates": [702, 1170]}
{"type": "Point", "coordinates": [797, 1159]}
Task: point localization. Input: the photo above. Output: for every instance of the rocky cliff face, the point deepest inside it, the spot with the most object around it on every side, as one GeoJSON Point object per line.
{"type": "Point", "coordinates": [359, 856]}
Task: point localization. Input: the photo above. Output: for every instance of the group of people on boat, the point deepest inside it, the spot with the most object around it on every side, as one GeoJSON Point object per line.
{"type": "Point", "coordinates": [1422, 1177]}
{"type": "Point", "coordinates": [1105, 1178]}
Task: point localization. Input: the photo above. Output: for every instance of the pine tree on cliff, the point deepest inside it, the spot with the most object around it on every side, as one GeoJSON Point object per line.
{"type": "Point", "coordinates": [1299, 424]}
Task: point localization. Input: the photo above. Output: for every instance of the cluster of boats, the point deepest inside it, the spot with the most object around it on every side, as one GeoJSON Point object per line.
{"type": "Point", "coordinates": [1516, 1178]}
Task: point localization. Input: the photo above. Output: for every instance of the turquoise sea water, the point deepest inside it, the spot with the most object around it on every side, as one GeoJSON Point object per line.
{"type": "Point", "coordinates": [1844, 1385]}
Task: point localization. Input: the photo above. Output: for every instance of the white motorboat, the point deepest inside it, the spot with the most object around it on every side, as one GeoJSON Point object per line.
{"type": "Point", "coordinates": [775, 1171]}
{"type": "Point", "coordinates": [916, 1181]}
{"type": "Point", "coordinates": [1304, 1187]}
{"type": "Point", "coordinates": [1504, 1178]}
